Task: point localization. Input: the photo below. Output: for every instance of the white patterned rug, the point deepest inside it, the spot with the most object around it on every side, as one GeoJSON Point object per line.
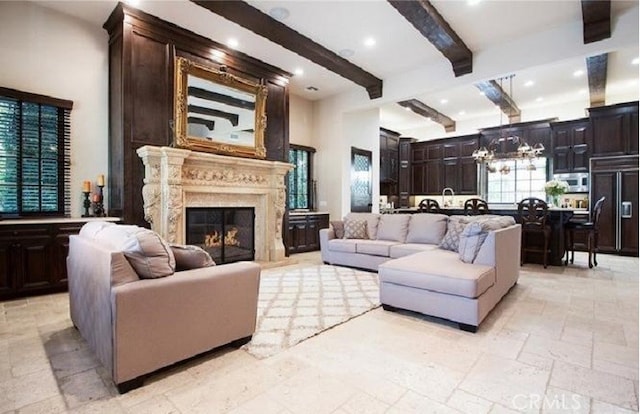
{"type": "Point", "coordinates": [297, 303]}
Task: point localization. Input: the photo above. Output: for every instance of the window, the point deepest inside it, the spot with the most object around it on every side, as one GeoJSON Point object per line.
{"type": "Point", "coordinates": [301, 177]}
{"type": "Point", "coordinates": [34, 154]}
{"type": "Point", "coordinates": [519, 183]}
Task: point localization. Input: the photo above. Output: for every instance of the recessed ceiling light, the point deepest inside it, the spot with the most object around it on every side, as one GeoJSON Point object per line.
{"type": "Point", "coordinates": [473, 2]}
{"type": "Point", "coordinates": [578, 73]}
{"type": "Point", "coordinates": [406, 108]}
{"type": "Point", "coordinates": [635, 61]}
{"type": "Point", "coordinates": [279, 13]}
{"type": "Point", "coordinates": [218, 55]}
{"type": "Point", "coordinates": [345, 53]}
{"type": "Point", "coordinates": [232, 43]}
{"type": "Point", "coordinates": [444, 101]}
{"type": "Point", "coordinates": [461, 113]}
{"type": "Point", "coordinates": [539, 99]}
{"type": "Point", "coordinates": [481, 93]}
{"type": "Point", "coordinates": [312, 89]}
{"type": "Point", "coordinates": [369, 42]}
{"type": "Point", "coordinates": [133, 3]}
{"type": "Point", "coordinates": [529, 83]}
{"type": "Point", "coordinates": [298, 71]}
{"type": "Point", "coordinates": [582, 91]}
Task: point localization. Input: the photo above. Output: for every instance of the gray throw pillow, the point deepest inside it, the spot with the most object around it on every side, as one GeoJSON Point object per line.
{"type": "Point", "coordinates": [191, 257]}
{"type": "Point", "coordinates": [451, 239]}
{"type": "Point", "coordinates": [338, 228]}
{"type": "Point", "coordinates": [149, 254]}
{"type": "Point", "coordinates": [355, 229]}
{"type": "Point", "coordinates": [471, 240]}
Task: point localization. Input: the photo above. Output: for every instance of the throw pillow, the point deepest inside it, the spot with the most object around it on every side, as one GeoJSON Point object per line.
{"type": "Point", "coordinates": [191, 257]}
{"type": "Point", "coordinates": [355, 229]}
{"type": "Point", "coordinates": [371, 219]}
{"type": "Point", "coordinates": [471, 240]}
{"type": "Point", "coordinates": [149, 254]}
{"type": "Point", "coordinates": [427, 228]}
{"type": "Point", "coordinates": [393, 227]}
{"type": "Point", "coordinates": [451, 239]}
{"type": "Point", "coordinates": [338, 228]}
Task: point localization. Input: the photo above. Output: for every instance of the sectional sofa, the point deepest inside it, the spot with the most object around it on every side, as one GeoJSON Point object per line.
{"type": "Point", "coordinates": [457, 268]}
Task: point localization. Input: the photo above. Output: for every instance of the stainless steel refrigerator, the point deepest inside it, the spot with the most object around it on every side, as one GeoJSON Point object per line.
{"type": "Point", "coordinates": [616, 178]}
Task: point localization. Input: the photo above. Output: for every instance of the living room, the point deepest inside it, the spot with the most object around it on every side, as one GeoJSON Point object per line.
{"type": "Point", "coordinates": [564, 336]}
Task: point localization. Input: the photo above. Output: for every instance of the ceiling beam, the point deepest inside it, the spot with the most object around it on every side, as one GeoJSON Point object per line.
{"type": "Point", "coordinates": [219, 97]}
{"type": "Point", "coordinates": [233, 118]}
{"type": "Point", "coordinates": [424, 17]}
{"type": "Point", "coordinates": [426, 111]}
{"type": "Point", "coordinates": [262, 24]}
{"type": "Point", "coordinates": [596, 20]}
{"type": "Point", "coordinates": [494, 92]}
{"type": "Point", "coordinates": [597, 74]}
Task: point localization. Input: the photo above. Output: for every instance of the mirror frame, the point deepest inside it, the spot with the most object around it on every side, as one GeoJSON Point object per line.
{"type": "Point", "coordinates": [183, 68]}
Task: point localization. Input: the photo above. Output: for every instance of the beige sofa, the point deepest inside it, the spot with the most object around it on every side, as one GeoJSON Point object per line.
{"type": "Point", "coordinates": [418, 273]}
{"type": "Point", "coordinates": [136, 326]}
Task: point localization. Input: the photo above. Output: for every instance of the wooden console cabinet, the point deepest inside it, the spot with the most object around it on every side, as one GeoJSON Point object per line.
{"type": "Point", "coordinates": [304, 231]}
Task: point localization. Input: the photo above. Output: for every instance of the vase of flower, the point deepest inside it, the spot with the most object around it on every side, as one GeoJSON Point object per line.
{"type": "Point", "coordinates": [554, 189]}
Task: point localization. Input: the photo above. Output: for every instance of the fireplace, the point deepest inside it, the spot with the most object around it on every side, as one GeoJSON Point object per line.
{"type": "Point", "coordinates": [226, 233]}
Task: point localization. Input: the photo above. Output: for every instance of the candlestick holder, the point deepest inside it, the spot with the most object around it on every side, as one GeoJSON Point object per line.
{"type": "Point", "coordinates": [86, 204]}
{"type": "Point", "coordinates": [98, 208]}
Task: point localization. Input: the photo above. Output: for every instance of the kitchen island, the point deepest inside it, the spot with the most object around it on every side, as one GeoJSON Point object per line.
{"type": "Point", "coordinates": [558, 217]}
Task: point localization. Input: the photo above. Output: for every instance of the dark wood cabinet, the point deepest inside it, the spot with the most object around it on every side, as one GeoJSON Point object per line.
{"type": "Point", "coordinates": [304, 232]}
{"type": "Point", "coordinates": [33, 258]}
{"type": "Point", "coordinates": [571, 146]}
{"type": "Point", "coordinates": [142, 52]}
{"type": "Point", "coordinates": [615, 129]}
{"type": "Point", "coordinates": [404, 171]}
{"type": "Point", "coordinates": [444, 163]}
{"type": "Point", "coordinates": [389, 162]}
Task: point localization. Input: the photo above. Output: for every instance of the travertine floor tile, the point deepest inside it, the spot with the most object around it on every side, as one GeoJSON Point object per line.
{"type": "Point", "coordinates": [558, 350]}
{"type": "Point", "coordinates": [413, 402]}
{"type": "Point", "coordinates": [469, 403]}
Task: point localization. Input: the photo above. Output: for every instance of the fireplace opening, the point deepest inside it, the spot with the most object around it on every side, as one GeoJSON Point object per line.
{"type": "Point", "coordinates": [226, 233]}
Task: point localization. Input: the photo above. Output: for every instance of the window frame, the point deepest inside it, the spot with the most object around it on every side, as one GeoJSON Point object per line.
{"type": "Point", "coordinates": [311, 151]}
{"type": "Point", "coordinates": [515, 190]}
{"type": "Point", "coordinates": [62, 159]}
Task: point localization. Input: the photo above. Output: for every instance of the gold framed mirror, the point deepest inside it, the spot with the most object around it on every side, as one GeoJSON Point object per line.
{"type": "Point", "coordinates": [218, 112]}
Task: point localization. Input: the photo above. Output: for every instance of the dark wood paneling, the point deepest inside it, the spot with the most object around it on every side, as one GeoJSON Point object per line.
{"type": "Point", "coordinates": [604, 184]}
{"type": "Point", "coordinates": [629, 226]}
{"type": "Point", "coordinates": [596, 20]}
{"type": "Point", "coordinates": [433, 176]}
{"type": "Point", "coordinates": [633, 135]}
{"type": "Point", "coordinates": [468, 176]}
{"type": "Point", "coordinates": [277, 123]}
{"type": "Point", "coordinates": [304, 232]}
{"type": "Point", "coordinates": [608, 135]}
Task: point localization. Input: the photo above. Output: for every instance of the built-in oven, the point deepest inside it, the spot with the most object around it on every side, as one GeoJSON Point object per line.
{"type": "Point", "coordinates": [578, 182]}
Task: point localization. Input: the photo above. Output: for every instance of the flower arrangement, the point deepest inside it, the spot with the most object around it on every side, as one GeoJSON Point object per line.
{"type": "Point", "coordinates": [555, 188]}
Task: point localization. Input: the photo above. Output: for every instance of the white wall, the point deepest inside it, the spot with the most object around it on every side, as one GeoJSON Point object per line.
{"type": "Point", "coordinates": [300, 121]}
{"type": "Point", "coordinates": [49, 53]}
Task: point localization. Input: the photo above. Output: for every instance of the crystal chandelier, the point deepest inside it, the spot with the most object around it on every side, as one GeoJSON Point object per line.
{"type": "Point", "coordinates": [492, 160]}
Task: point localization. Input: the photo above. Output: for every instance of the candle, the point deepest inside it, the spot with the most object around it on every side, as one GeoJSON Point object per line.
{"type": "Point", "coordinates": [86, 186]}
{"type": "Point", "coordinates": [101, 180]}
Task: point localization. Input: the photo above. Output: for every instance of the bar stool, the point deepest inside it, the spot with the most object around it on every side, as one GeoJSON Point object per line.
{"type": "Point", "coordinates": [429, 205]}
{"type": "Point", "coordinates": [589, 229]}
{"type": "Point", "coordinates": [476, 206]}
{"type": "Point", "coordinates": [533, 214]}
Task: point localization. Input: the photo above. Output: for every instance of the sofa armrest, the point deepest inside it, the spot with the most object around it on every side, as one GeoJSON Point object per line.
{"type": "Point", "coordinates": [501, 249]}
{"type": "Point", "coordinates": [325, 236]}
{"type": "Point", "coordinates": [157, 322]}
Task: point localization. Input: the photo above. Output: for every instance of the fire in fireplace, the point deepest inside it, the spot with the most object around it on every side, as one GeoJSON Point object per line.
{"type": "Point", "coordinates": [227, 233]}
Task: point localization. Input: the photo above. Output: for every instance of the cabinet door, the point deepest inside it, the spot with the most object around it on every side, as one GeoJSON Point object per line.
{"type": "Point", "coordinates": [468, 176]}
{"type": "Point", "coordinates": [580, 149]}
{"type": "Point", "coordinates": [633, 136]}
{"type": "Point", "coordinates": [451, 174]}
{"type": "Point", "coordinates": [34, 258]}
{"type": "Point", "coordinates": [629, 225]}
{"type": "Point", "coordinates": [312, 235]}
{"type": "Point", "coordinates": [604, 184]}
{"type": "Point", "coordinates": [468, 146]}
{"type": "Point", "coordinates": [8, 268]}
{"type": "Point", "coordinates": [433, 177]}
{"type": "Point", "coordinates": [608, 135]}
{"type": "Point", "coordinates": [561, 150]}
{"type": "Point", "coordinates": [418, 179]}
{"type": "Point", "coordinates": [60, 251]}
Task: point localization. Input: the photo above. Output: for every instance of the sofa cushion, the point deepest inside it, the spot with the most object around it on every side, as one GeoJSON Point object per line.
{"type": "Point", "coordinates": [149, 254]}
{"type": "Point", "coordinates": [427, 228]}
{"type": "Point", "coordinates": [355, 229]}
{"type": "Point", "coordinates": [342, 245]}
{"type": "Point", "coordinates": [371, 219]}
{"type": "Point", "coordinates": [393, 227]}
{"type": "Point", "coordinates": [338, 228]}
{"type": "Point", "coordinates": [474, 234]}
{"type": "Point", "coordinates": [401, 250]}
{"type": "Point", "coordinates": [374, 247]}
{"type": "Point", "coordinates": [446, 274]}
{"type": "Point", "coordinates": [191, 257]}
{"type": "Point", "coordinates": [455, 226]}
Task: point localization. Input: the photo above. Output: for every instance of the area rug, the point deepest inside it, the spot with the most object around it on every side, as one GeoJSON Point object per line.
{"type": "Point", "coordinates": [297, 303]}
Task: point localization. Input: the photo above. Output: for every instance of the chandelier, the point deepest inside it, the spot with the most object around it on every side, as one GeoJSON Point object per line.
{"type": "Point", "coordinates": [493, 160]}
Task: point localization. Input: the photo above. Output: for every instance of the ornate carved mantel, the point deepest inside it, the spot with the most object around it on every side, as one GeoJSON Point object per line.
{"type": "Point", "coordinates": [176, 179]}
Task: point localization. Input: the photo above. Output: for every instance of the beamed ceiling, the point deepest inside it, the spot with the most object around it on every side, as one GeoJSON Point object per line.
{"type": "Point", "coordinates": [460, 41]}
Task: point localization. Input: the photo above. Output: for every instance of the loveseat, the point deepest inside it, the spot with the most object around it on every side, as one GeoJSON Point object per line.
{"type": "Point", "coordinates": [138, 314]}
{"type": "Point", "coordinates": [457, 268]}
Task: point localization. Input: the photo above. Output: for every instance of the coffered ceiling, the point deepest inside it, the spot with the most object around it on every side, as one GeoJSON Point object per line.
{"type": "Point", "coordinates": [374, 36]}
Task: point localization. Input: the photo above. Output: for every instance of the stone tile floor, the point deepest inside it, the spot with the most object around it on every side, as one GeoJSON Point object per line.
{"type": "Point", "coordinates": [564, 340]}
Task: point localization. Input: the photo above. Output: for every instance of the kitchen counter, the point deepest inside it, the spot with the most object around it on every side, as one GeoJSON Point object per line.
{"type": "Point", "coordinates": [306, 213]}
{"type": "Point", "coordinates": [55, 220]}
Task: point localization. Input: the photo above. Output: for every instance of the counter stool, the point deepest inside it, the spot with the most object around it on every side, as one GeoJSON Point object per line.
{"type": "Point", "coordinates": [476, 206]}
{"type": "Point", "coordinates": [589, 229]}
{"type": "Point", "coordinates": [429, 205]}
{"type": "Point", "coordinates": [533, 214]}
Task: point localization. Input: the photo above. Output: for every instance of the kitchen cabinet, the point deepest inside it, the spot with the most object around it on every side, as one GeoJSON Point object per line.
{"type": "Point", "coordinates": [615, 129]}
{"type": "Point", "coordinates": [304, 231]}
{"type": "Point", "coordinates": [616, 178]}
{"type": "Point", "coordinates": [33, 258]}
{"type": "Point", "coordinates": [571, 146]}
{"type": "Point", "coordinates": [404, 171]}
{"type": "Point", "coordinates": [389, 157]}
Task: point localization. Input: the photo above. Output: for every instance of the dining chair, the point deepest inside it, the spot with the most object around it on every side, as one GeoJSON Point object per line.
{"type": "Point", "coordinates": [533, 215]}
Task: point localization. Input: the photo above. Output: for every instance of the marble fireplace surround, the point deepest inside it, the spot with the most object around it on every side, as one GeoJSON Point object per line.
{"type": "Point", "coordinates": [176, 179]}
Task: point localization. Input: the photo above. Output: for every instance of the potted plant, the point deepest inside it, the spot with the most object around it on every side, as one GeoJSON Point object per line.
{"type": "Point", "coordinates": [554, 189]}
